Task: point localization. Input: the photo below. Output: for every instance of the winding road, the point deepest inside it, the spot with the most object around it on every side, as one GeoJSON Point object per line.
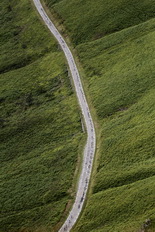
{"type": "Point", "coordinates": [90, 146]}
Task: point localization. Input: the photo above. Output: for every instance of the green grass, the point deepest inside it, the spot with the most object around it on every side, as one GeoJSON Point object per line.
{"type": "Point", "coordinates": [40, 127]}
{"type": "Point", "coordinates": [88, 20]}
{"type": "Point", "coordinates": [21, 34]}
{"type": "Point", "coordinates": [121, 77]}
{"type": "Point", "coordinates": [116, 49]}
{"type": "Point", "coordinates": [115, 202]}
{"type": "Point", "coordinates": [112, 61]}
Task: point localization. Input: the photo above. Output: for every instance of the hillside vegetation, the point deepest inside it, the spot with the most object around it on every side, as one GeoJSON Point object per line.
{"type": "Point", "coordinates": [40, 127]}
{"type": "Point", "coordinates": [92, 19]}
{"type": "Point", "coordinates": [122, 87]}
{"type": "Point", "coordinates": [116, 49]}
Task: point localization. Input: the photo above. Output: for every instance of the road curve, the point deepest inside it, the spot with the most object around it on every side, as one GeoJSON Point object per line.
{"type": "Point", "coordinates": [90, 146]}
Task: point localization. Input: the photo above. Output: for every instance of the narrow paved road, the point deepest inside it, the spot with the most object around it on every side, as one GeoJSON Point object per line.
{"type": "Point", "coordinates": [90, 146]}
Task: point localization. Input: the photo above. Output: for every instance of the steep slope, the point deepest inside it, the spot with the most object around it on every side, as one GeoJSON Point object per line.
{"type": "Point", "coordinates": [88, 20]}
{"type": "Point", "coordinates": [122, 85]}
{"type": "Point", "coordinates": [118, 70]}
{"type": "Point", "coordinates": [40, 124]}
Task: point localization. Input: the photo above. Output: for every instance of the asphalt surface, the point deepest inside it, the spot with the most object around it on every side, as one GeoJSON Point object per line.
{"type": "Point", "coordinates": [90, 146]}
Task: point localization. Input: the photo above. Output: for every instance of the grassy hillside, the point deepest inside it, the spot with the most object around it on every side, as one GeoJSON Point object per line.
{"type": "Point", "coordinates": [40, 128]}
{"type": "Point", "coordinates": [118, 70]}
{"type": "Point", "coordinates": [92, 19]}
{"type": "Point", "coordinates": [122, 85]}
{"type": "Point", "coordinates": [23, 38]}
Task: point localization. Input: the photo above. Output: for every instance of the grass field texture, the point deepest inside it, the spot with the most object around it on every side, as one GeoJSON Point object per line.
{"type": "Point", "coordinates": [92, 19]}
{"type": "Point", "coordinates": [40, 127]}
{"type": "Point", "coordinates": [116, 49]}
{"type": "Point", "coordinates": [122, 85]}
